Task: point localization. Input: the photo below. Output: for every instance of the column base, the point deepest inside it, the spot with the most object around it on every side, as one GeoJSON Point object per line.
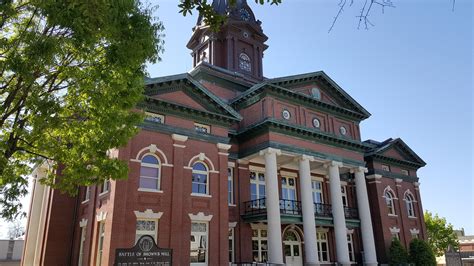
{"type": "Point", "coordinates": [371, 263]}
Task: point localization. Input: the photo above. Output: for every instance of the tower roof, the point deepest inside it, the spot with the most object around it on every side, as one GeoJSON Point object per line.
{"type": "Point", "coordinates": [239, 11]}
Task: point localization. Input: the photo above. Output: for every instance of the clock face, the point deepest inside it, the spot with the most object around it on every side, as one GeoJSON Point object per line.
{"type": "Point", "coordinates": [244, 14]}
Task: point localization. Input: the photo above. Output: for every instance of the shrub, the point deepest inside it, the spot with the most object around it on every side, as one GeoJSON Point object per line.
{"type": "Point", "coordinates": [421, 253]}
{"type": "Point", "coordinates": [398, 254]}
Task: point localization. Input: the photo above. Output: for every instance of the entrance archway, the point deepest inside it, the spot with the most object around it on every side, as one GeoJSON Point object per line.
{"type": "Point", "coordinates": [292, 248]}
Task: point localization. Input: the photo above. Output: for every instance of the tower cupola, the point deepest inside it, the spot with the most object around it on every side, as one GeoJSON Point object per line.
{"type": "Point", "coordinates": [239, 44]}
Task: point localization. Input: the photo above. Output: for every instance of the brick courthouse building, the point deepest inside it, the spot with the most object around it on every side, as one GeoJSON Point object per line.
{"type": "Point", "coordinates": [232, 166]}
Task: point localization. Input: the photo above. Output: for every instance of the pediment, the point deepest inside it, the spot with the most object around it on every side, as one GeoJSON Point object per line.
{"type": "Point", "coordinates": [331, 93]}
{"type": "Point", "coordinates": [396, 149]}
{"type": "Point", "coordinates": [183, 90]}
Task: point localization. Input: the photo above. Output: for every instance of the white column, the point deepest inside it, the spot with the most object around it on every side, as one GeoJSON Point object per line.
{"type": "Point", "coordinates": [275, 251]}
{"type": "Point", "coordinates": [33, 222]}
{"type": "Point", "coordinates": [339, 219]}
{"type": "Point", "coordinates": [365, 218]}
{"type": "Point", "coordinates": [309, 224]}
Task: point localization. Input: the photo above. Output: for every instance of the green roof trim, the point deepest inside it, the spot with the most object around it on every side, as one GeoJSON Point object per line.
{"type": "Point", "coordinates": [412, 159]}
{"type": "Point", "coordinates": [305, 133]}
{"type": "Point", "coordinates": [186, 79]}
{"type": "Point", "coordinates": [167, 129]}
{"type": "Point", "coordinates": [295, 79]}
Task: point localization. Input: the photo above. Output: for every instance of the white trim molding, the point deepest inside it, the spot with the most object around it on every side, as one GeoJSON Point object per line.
{"type": "Point", "coordinates": [153, 150]}
{"type": "Point", "coordinates": [200, 217]}
{"type": "Point", "coordinates": [83, 223]}
{"type": "Point", "coordinates": [414, 231]}
{"type": "Point", "coordinates": [350, 231]}
{"type": "Point", "coordinates": [258, 226]}
{"type": "Point", "coordinates": [202, 157]}
{"type": "Point", "coordinates": [411, 194]}
{"type": "Point", "coordinates": [288, 174]}
{"type": "Point", "coordinates": [101, 216]}
{"type": "Point", "coordinates": [394, 230]}
{"type": "Point", "coordinates": [232, 225]}
{"type": "Point", "coordinates": [322, 229]}
{"type": "Point", "coordinates": [178, 137]}
{"type": "Point", "coordinates": [388, 188]}
{"type": "Point", "coordinates": [223, 146]}
{"type": "Point", "coordinates": [148, 214]}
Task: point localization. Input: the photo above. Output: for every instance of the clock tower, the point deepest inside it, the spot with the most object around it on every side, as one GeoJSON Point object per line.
{"type": "Point", "coordinates": [239, 44]}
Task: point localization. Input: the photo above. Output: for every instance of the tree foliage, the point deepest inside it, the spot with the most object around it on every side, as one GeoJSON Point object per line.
{"type": "Point", "coordinates": [398, 255]}
{"type": "Point", "coordinates": [440, 233]}
{"type": "Point", "coordinates": [71, 72]}
{"type": "Point", "coordinates": [421, 253]}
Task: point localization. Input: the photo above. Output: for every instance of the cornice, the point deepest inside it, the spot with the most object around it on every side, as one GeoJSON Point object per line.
{"type": "Point", "coordinates": [394, 161]}
{"type": "Point", "coordinates": [274, 125]}
{"type": "Point", "coordinates": [391, 175]}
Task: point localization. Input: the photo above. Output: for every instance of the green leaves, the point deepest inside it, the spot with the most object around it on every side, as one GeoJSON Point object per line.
{"type": "Point", "coordinates": [440, 234]}
{"type": "Point", "coordinates": [71, 74]}
{"type": "Point", "coordinates": [398, 255]}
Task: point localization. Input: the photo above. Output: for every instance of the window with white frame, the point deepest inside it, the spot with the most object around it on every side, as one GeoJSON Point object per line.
{"type": "Point", "coordinates": [257, 188]}
{"type": "Point", "coordinates": [81, 245]}
{"type": "Point", "coordinates": [100, 243]}
{"type": "Point", "coordinates": [230, 185]}
{"type": "Point", "coordinates": [200, 180]}
{"type": "Point", "coordinates": [199, 243]}
{"type": "Point", "coordinates": [323, 245]}
{"type": "Point", "coordinates": [201, 128]}
{"type": "Point", "coordinates": [156, 118]}
{"type": "Point", "coordinates": [87, 193]}
{"type": "Point", "coordinates": [317, 189]}
{"type": "Point", "coordinates": [245, 63]}
{"type": "Point", "coordinates": [146, 227]}
{"type": "Point", "coordinates": [405, 172]}
{"type": "Point", "coordinates": [350, 245]}
{"type": "Point", "coordinates": [105, 187]}
{"type": "Point", "coordinates": [150, 172]}
{"type": "Point", "coordinates": [344, 195]}
{"type": "Point", "coordinates": [409, 202]}
{"type": "Point", "coordinates": [385, 167]}
{"type": "Point", "coordinates": [231, 245]}
{"type": "Point", "coordinates": [389, 200]}
{"type": "Point", "coordinates": [259, 245]}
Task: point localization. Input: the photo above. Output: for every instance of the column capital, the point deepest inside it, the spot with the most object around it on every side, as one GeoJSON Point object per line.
{"type": "Point", "coordinates": [304, 157]}
{"type": "Point", "coordinates": [223, 146]}
{"type": "Point", "coordinates": [270, 151]}
{"type": "Point", "coordinates": [178, 137]}
{"type": "Point", "coordinates": [359, 169]}
{"type": "Point", "coordinates": [333, 163]}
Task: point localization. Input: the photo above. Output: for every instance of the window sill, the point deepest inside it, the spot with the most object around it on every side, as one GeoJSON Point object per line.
{"type": "Point", "coordinates": [412, 217]}
{"type": "Point", "coordinates": [150, 190]}
{"type": "Point", "coordinates": [201, 195]}
{"type": "Point", "coordinates": [392, 215]}
{"type": "Point", "coordinates": [85, 201]}
{"type": "Point", "coordinates": [232, 205]}
{"type": "Point", "coordinates": [101, 195]}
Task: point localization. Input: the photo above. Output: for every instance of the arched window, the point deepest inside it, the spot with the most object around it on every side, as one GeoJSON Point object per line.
{"type": "Point", "coordinates": [150, 172]}
{"type": "Point", "coordinates": [200, 178]}
{"type": "Point", "coordinates": [410, 206]}
{"type": "Point", "coordinates": [245, 63]}
{"type": "Point", "coordinates": [389, 201]}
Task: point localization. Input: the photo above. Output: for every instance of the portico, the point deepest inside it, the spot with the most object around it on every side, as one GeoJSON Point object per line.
{"type": "Point", "coordinates": [289, 198]}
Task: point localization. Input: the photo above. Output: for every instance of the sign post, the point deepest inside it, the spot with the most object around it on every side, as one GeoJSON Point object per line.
{"type": "Point", "coordinates": [144, 253]}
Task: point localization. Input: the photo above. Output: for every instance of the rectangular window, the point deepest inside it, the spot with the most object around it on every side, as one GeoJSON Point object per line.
{"type": "Point", "coordinates": [350, 245]}
{"type": "Point", "coordinates": [199, 238]}
{"type": "Point", "coordinates": [230, 185]}
{"type": "Point", "coordinates": [385, 167]}
{"type": "Point", "coordinates": [231, 245]}
{"type": "Point", "coordinates": [100, 243]}
{"type": "Point", "coordinates": [323, 246]}
{"type": "Point", "coordinates": [257, 186]}
{"type": "Point", "coordinates": [405, 172]}
{"type": "Point", "coordinates": [146, 227]}
{"type": "Point", "coordinates": [344, 195]}
{"type": "Point", "coordinates": [155, 118]}
{"type": "Point", "coordinates": [259, 245]}
{"type": "Point", "coordinates": [201, 128]}
{"type": "Point", "coordinates": [87, 194]}
{"type": "Point", "coordinates": [81, 245]}
{"type": "Point", "coordinates": [105, 187]}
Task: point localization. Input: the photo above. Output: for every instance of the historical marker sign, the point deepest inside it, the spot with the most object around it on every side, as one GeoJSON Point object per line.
{"type": "Point", "coordinates": [144, 253]}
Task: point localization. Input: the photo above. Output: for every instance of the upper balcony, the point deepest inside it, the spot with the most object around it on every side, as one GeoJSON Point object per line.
{"type": "Point", "coordinates": [291, 212]}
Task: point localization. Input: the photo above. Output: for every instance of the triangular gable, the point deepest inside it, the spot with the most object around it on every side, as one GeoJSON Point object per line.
{"type": "Point", "coordinates": [336, 93]}
{"type": "Point", "coordinates": [397, 149]}
{"type": "Point", "coordinates": [185, 91]}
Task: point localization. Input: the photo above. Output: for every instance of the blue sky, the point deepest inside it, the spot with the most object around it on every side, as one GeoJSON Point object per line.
{"type": "Point", "coordinates": [412, 71]}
